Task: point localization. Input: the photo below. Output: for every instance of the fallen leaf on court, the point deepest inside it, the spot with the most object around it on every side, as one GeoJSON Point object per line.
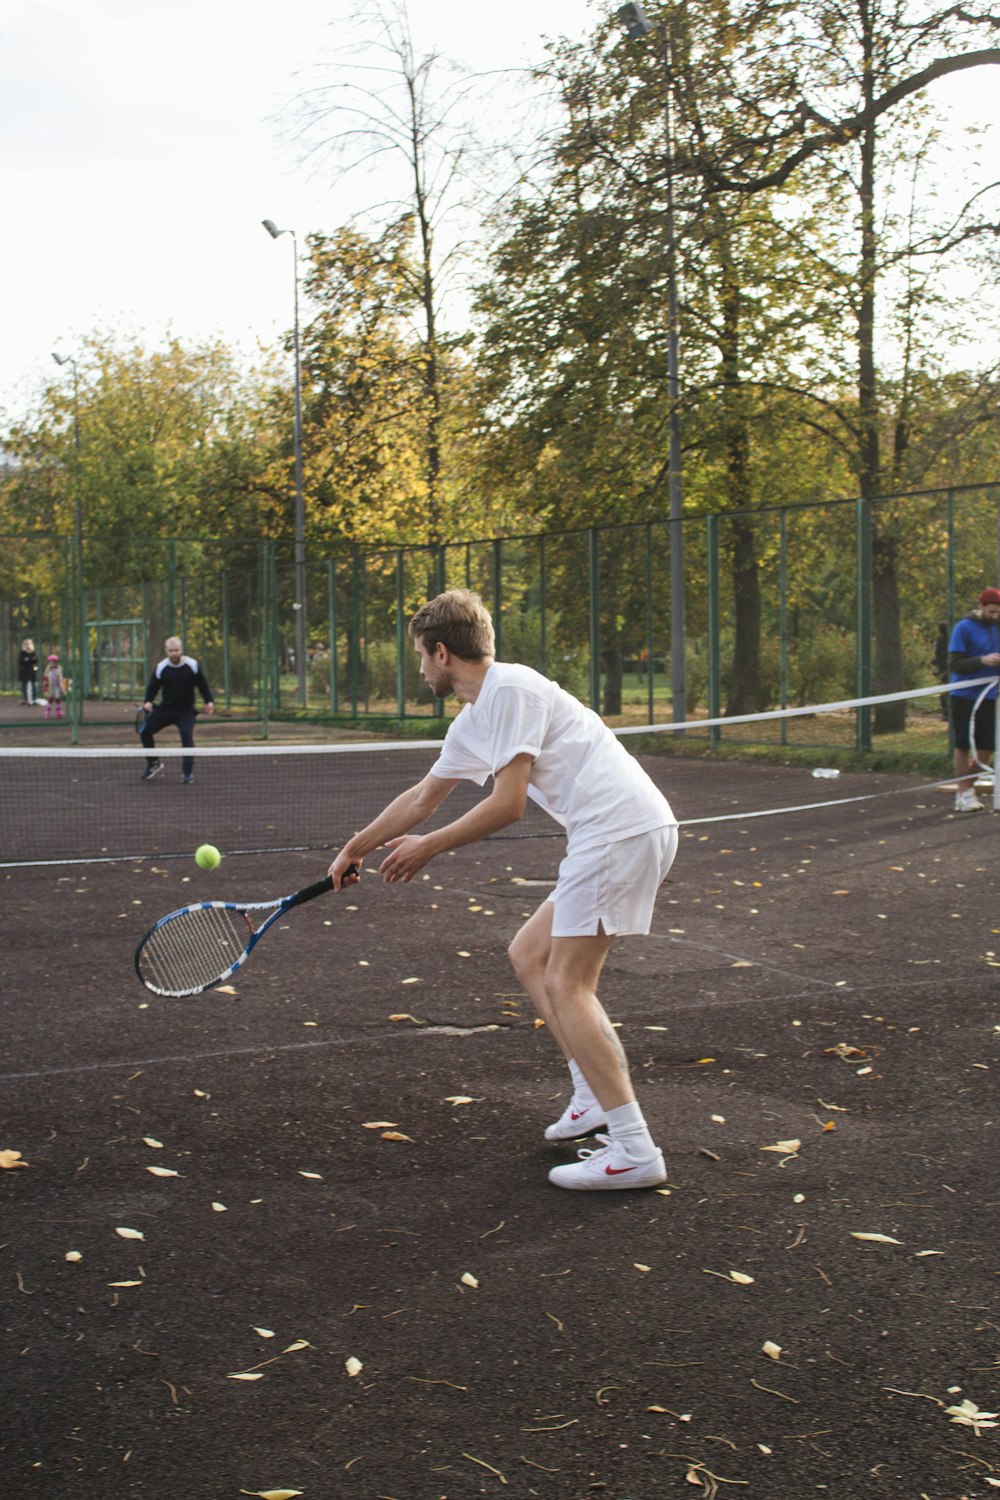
{"type": "Point", "coordinates": [163, 1172]}
{"type": "Point", "coordinates": [72, 1255]}
{"type": "Point", "coordinates": [219, 1208]}
{"type": "Point", "coordinates": [265, 1333]}
{"type": "Point", "coordinates": [395, 1135]}
{"type": "Point", "coordinates": [200, 1094]}
{"type": "Point", "coordinates": [771, 1349]}
{"type": "Point", "coordinates": [130, 1234]}
{"type": "Point", "coordinates": [785, 1148]}
{"type": "Point", "coordinates": [247, 1375]}
{"type": "Point", "coordinates": [468, 1279]}
{"type": "Point", "coordinates": [740, 1277]}
{"type": "Point", "coordinates": [640, 1267]}
{"type": "Point", "coordinates": [379, 1125]}
{"type": "Point", "coordinates": [124, 1283]}
{"type": "Point", "coordinates": [405, 1017]}
{"type": "Point", "coordinates": [742, 963]}
{"type": "Point", "coordinates": [11, 1159]}
{"type": "Point", "coordinates": [298, 1344]}
{"type": "Point", "coordinates": [830, 1125]}
{"type": "Point", "coordinates": [353, 1366]}
{"type": "Point", "coordinates": [967, 1414]}
{"type": "Point", "coordinates": [917, 1254]}
{"type": "Point", "coordinates": [845, 1050]}
{"type": "Point", "coordinates": [313, 1176]}
{"type": "Point", "coordinates": [877, 1239]}
{"type": "Point", "coordinates": [719, 1119]}
{"type": "Point", "coordinates": [539, 1022]}
{"type": "Point", "coordinates": [461, 1099]}
{"type": "Point", "coordinates": [226, 989]}
{"type": "Point", "coordinates": [414, 979]}
{"type": "Point", "coordinates": [462, 953]}
{"type": "Point", "coordinates": [273, 1494]}
{"type": "Point", "coordinates": [149, 1140]}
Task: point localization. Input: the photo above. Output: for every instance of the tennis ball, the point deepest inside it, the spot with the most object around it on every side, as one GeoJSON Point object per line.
{"type": "Point", "coordinates": [207, 856]}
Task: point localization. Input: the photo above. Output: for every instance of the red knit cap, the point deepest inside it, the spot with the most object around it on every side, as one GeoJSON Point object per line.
{"type": "Point", "coordinates": [990, 596]}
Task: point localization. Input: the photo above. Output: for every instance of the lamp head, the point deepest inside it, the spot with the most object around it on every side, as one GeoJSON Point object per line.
{"type": "Point", "coordinates": [61, 359]}
{"type": "Point", "coordinates": [272, 228]}
{"type": "Point", "coordinates": [634, 20]}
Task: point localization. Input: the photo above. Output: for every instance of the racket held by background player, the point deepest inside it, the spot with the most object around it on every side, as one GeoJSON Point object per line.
{"type": "Point", "coordinates": [198, 947]}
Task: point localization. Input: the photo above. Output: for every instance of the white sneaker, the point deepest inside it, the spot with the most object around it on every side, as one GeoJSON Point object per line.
{"type": "Point", "coordinates": [967, 802]}
{"type": "Point", "coordinates": [610, 1166]}
{"type": "Point", "coordinates": [576, 1120]}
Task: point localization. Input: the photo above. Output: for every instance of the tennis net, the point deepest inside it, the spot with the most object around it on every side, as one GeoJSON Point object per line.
{"type": "Point", "coordinates": [61, 806]}
{"type": "Point", "coordinates": [90, 804]}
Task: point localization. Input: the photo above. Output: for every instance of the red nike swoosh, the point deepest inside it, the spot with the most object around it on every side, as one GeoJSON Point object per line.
{"type": "Point", "coordinates": [574, 1116]}
{"type": "Point", "coordinates": [617, 1171]}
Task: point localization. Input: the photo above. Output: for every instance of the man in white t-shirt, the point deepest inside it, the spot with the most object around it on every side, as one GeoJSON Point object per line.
{"type": "Point", "coordinates": [539, 742]}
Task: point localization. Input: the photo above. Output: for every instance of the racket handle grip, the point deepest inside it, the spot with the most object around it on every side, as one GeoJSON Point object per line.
{"type": "Point", "coordinates": [319, 888]}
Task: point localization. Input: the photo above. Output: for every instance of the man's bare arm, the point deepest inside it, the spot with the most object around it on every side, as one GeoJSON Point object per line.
{"type": "Point", "coordinates": [504, 805]}
{"type": "Point", "coordinates": [406, 811]}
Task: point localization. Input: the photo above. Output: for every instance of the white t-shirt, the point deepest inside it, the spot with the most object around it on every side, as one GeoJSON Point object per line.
{"type": "Point", "coordinates": [582, 775]}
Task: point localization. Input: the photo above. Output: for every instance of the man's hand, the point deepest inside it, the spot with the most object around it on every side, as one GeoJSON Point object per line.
{"type": "Point", "coordinates": [210, 708]}
{"type": "Point", "coordinates": [338, 870]}
{"type": "Point", "coordinates": [409, 855]}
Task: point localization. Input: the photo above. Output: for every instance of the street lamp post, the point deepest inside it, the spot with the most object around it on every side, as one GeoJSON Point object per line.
{"type": "Point", "coordinates": [637, 24]}
{"type": "Point", "coordinates": [80, 624]}
{"type": "Point", "coordinates": [300, 515]}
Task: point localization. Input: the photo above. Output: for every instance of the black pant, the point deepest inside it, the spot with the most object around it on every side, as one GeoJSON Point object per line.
{"type": "Point", "coordinates": [158, 720]}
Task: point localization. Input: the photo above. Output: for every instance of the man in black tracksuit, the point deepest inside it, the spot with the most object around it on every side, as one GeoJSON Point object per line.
{"type": "Point", "coordinates": [175, 679]}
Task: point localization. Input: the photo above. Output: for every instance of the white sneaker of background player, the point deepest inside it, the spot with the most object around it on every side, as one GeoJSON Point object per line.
{"type": "Point", "coordinates": [580, 1117]}
{"type": "Point", "coordinates": [610, 1165]}
{"type": "Point", "coordinates": [967, 802]}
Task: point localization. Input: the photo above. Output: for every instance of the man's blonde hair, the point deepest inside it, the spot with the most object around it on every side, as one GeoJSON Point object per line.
{"type": "Point", "coordinates": [458, 619]}
{"type": "Point", "coordinates": [173, 640]}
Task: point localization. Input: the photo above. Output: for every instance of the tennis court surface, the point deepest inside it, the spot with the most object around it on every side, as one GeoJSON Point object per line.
{"type": "Point", "coordinates": [348, 1166]}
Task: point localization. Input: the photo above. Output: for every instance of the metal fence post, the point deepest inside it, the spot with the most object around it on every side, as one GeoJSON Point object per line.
{"type": "Point", "coordinates": [400, 635]}
{"type": "Point", "coordinates": [331, 630]}
{"type": "Point", "coordinates": [783, 615]}
{"type": "Point", "coordinates": [714, 653]}
{"type": "Point", "coordinates": [497, 561]}
{"type": "Point", "coordinates": [594, 620]}
{"type": "Point", "coordinates": [864, 625]}
{"type": "Point", "coordinates": [650, 637]}
{"type": "Point", "coordinates": [543, 585]}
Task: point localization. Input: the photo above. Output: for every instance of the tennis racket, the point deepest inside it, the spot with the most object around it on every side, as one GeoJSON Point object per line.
{"type": "Point", "coordinates": [140, 719]}
{"type": "Point", "coordinates": [198, 947]}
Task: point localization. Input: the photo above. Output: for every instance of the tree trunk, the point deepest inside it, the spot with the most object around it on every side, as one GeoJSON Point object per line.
{"type": "Point", "coordinates": [744, 684]}
{"type": "Point", "coordinates": [613, 676]}
{"type": "Point", "coordinates": [889, 718]}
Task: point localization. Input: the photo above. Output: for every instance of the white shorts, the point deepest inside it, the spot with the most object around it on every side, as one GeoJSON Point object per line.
{"type": "Point", "coordinates": [612, 887]}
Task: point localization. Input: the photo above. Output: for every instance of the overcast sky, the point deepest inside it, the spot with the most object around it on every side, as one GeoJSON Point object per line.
{"type": "Point", "coordinates": [139, 152]}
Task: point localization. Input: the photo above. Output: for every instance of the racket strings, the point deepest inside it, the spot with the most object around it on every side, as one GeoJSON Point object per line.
{"type": "Point", "coordinates": [194, 949]}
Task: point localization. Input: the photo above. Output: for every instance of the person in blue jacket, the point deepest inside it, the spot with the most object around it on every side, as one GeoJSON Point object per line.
{"type": "Point", "coordinates": [974, 652]}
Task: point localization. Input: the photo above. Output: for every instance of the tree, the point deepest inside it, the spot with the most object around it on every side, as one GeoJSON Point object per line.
{"type": "Point", "coordinates": [392, 112]}
{"type": "Point", "coordinates": [170, 444]}
{"type": "Point", "coordinates": [574, 343]}
{"type": "Point", "coordinates": [833, 103]}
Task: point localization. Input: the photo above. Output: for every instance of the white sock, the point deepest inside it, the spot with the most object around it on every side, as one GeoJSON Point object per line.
{"type": "Point", "coordinates": [627, 1128]}
{"type": "Point", "coordinates": [582, 1092]}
